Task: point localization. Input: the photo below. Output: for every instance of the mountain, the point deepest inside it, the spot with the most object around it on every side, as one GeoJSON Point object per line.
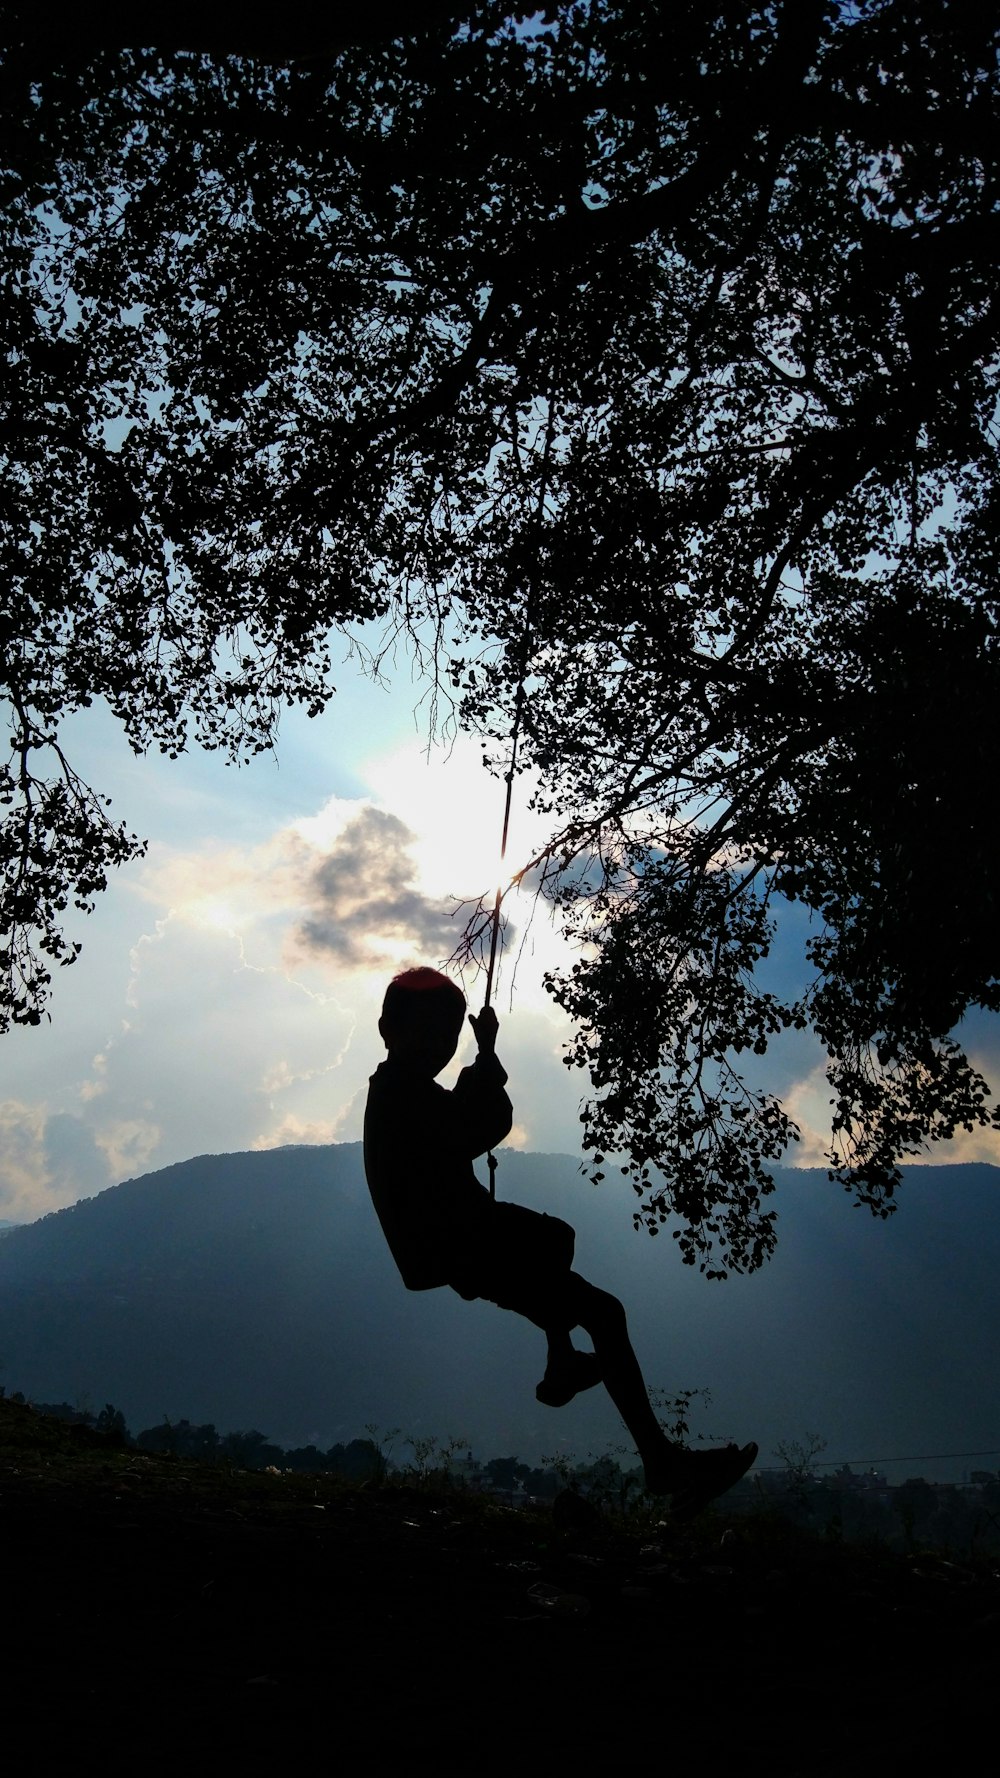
{"type": "Point", "coordinates": [256, 1290]}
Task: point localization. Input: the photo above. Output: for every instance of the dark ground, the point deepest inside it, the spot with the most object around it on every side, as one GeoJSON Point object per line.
{"type": "Point", "coordinates": [223, 1617]}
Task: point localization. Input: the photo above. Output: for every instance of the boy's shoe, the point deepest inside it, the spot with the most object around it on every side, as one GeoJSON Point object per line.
{"type": "Point", "coordinates": [694, 1478]}
{"type": "Point", "coordinates": [581, 1373]}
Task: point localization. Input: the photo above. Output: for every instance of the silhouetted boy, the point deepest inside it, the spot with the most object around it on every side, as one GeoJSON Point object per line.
{"type": "Point", "coordinates": [443, 1227]}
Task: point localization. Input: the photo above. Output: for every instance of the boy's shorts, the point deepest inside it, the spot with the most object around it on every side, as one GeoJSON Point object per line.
{"type": "Point", "coordinates": [522, 1263]}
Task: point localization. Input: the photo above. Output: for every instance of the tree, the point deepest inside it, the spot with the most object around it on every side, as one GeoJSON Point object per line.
{"type": "Point", "coordinates": [360, 1460]}
{"type": "Point", "coordinates": [111, 1421]}
{"type": "Point", "coordinates": [305, 1460]}
{"type": "Point", "coordinates": [249, 1450]}
{"type": "Point", "coordinates": [643, 359]}
{"type": "Point", "coordinates": [182, 1439]}
{"type": "Point", "coordinates": [506, 1472]}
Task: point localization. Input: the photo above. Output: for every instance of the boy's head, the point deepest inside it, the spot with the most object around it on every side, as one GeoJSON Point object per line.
{"type": "Point", "coordinates": [422, 1017]}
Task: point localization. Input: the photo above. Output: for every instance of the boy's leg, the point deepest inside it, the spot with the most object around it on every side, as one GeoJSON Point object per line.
{"type": "Point", "coordinates": [603, 1317]}
{"type": "Point", "coordinates": [693, 1477]}
{"type": "Point", "coordinates": [567, 1371]}
{"type": "Point", "coordinates": [524, 1266]}
{"type": "Point", "coordinates": [557, 1301]}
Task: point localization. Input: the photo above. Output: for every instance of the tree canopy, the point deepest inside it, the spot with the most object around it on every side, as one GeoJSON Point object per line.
{"type": "Point", "coordinates": [641, 357]}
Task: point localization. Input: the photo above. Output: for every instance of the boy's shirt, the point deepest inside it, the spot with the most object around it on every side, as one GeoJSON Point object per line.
{"type": "Point", "coordinates": [420, 1142]}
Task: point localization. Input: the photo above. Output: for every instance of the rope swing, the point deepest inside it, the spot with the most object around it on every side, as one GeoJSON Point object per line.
{"type": "Point", "coordinates": [529, 614]}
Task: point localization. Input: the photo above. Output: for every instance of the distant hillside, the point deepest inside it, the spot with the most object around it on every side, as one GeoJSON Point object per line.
{"type": "Point", "coordinates": [255, 1290]}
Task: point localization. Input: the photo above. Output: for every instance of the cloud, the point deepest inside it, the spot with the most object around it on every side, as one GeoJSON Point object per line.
{"type": "Point", "coordinates": [129, 1144]}
{"type": "Point", "coordinates": [807, 1103]}
{"type": "Point", "coordinates": [215, 1053]}
{"type": "Point", "coordinates": [46, 1161]}
{"type": "Point", "coordinates": [366, 906]}
{"type": "Point", "coordinates": [294, 1132]}
{"type": "Point", "coordinates": [23, 1174]}
{"type": "Point", "coordinates": [74, 1162]}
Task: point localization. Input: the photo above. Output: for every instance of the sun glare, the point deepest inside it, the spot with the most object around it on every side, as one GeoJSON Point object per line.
{"type": "Point", "coordinates": [455, 809]}
{"type": "Point", "coordinates": [214, 912]}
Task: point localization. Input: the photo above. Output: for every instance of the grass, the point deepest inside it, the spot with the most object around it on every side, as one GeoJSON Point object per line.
{"type": "Point", "coordinates": [247, 1610]}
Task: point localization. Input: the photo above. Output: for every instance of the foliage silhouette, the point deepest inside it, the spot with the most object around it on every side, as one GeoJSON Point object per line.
{"type": "Point", "coordinates": [284, 340]}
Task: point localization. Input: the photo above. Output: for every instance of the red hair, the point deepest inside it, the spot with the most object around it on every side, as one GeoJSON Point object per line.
{"type": "Point", "coordinates": [418, 992]}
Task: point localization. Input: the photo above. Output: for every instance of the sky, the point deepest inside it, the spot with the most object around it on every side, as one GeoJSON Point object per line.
{"type": "Point", "coordinates": [229, 986]}
{"type": "Point", "coordinates": [227, 999]}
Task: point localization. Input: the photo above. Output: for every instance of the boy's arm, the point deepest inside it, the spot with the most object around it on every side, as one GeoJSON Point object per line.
{"type": "Point", "coordinates": [485, 1111]}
